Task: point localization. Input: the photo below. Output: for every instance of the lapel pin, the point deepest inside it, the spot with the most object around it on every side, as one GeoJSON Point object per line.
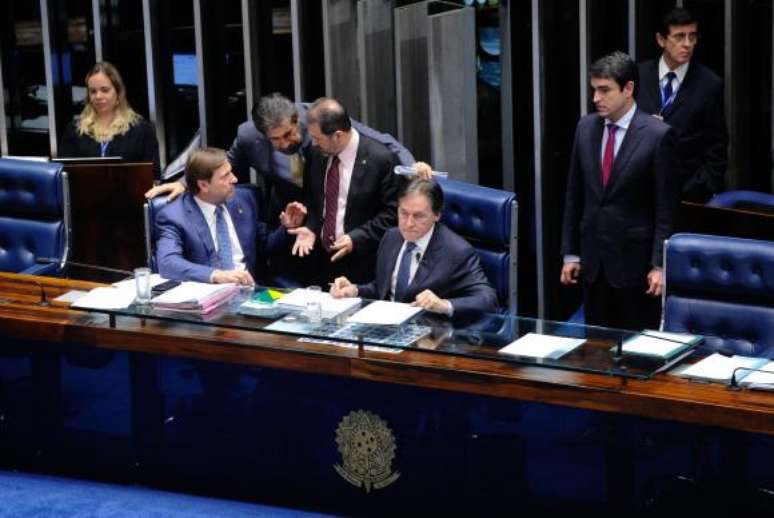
{"type": "Point", "coordinates": [239, 210]}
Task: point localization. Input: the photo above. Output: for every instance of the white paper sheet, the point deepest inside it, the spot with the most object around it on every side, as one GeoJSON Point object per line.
{"type": "Point", "coordinates": [384, 312]}
{"type": "Point", "coordinates": [331, 307]}
{"type": "Point", "coordinates": [107, 297]}
{"type": "Point", "coordinates": [658, 343]}
{"type": "Point", "coordinates": [534, 345]}
{"type": "Point", "coordinates": [718, 367]}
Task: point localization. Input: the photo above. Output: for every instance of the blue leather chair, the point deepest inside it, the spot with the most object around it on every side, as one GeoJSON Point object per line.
{"type": "Point", "coordinates": [488, 219]}
{"type": "Point", "coordinates": [722, 288]}
{"type": "Point", "coordinates": [743, 199]}
{"type": "Point", "coordinates": [34, 216]}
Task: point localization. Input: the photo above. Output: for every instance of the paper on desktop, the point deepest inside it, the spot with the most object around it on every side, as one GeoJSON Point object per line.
{"type": "Point", "coordinates": [658, 343]}
{"type": "Point", "coordinates": [760, 379]}
{"type": "Point", "coordinates": [106, 297]}
{"type": "Point", "coordinates": [331, 307]}
{"type": "Point", "coordinates": [717, 367]}
{"type": "Point", "coordinates": [534, 345]}
{"type": "Point", "coordinates": [191, 292]}
{"type": "Point", "coordinates": [385, 313]}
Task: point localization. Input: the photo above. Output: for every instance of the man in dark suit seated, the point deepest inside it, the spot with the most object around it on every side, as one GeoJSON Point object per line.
{"type": "Point", "coordinates": [689, 97]}
{"type": "Point", "coordinates": [212, 233]}
{"type": "Point", "coordinates": [622, 191]}
{"type": "Point", "coordinates": [424, 262]}
{"type": "Point", "coordinates": [350, 192]}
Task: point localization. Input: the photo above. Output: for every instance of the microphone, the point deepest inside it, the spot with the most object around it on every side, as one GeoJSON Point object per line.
{"type": "Point", "coordinates": [52, 260]}
{"type": "Point", "coordinates": [734, 384]}
{"type": "Point", "coordinates": [418, 257]}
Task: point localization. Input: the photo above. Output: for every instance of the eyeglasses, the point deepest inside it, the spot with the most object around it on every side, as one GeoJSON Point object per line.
{"type": "Point", "coordinates": [679, 37]}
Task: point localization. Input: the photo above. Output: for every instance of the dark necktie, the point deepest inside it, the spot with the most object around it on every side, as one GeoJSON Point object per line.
{"type": "Point", "coordinates": [404, 271]}
{"type": "Point", "coordinates": [331, 204]}
{"type": "Point", "coordinates": [609, 156]}
{"type": "Point", "coordinates": [666, 97]}
{"type": "Point", "coordinates": [225, 256]}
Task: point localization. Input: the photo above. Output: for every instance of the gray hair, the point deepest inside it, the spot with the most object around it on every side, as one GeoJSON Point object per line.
{"type": "Point", "coordinates": [272, 110]}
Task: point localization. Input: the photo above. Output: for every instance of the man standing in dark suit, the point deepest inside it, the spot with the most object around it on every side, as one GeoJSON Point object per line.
{"type": "Point", "coordinates": [424, 262]}
{"type": "Point", "coordinates": [689, 97]}
{"type": "Point", "coordinates": [622, 190]}
{"type": "Point", "coordinates": [350, 193]}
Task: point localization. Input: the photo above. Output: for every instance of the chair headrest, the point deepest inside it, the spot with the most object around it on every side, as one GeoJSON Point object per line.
{"type": "Point", "coordinates": [730, 199]}
{"type": "Point", "coordinates": [727, 268]}
{"type": "Point", "coordinates": [30, 188]}
{"type": "Point", "coordinates": [477, 212]}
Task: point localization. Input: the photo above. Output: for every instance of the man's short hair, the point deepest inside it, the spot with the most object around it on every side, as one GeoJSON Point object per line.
{"type": "Point", "coordinates": [619, 67]}
{"type": "Point", "coordinates": [330, 115]}
{"type": "Point", "coordinates": [272, 110]}
{"type": "Point", "coordinates": [201, 164]}
{"type": "Point", "coordinates": [428, 188]}
{"type": "Point", "coordinates": [675, 16]}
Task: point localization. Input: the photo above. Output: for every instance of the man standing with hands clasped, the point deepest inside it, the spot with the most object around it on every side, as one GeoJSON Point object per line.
{"type": "Point", "coordinates": [424, 262]}
{"type": "Point", "coordinates": [689, 97]}
{"type": "Point", "coordinates": [622, 191]}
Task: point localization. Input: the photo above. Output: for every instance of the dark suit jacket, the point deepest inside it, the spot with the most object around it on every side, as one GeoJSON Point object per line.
{"type": "Point", "coordinates": [251, 148]}
{"type": "Point", "coordinates": [138, 144]}
{"type": "Point", "coordinates": [622, 227]}
{"type": "Point", "coordinates": [371, 202]}
{"type": "Point", "coordinates": [697, 115]}
{"type": "Point", "coordinates": [185, 248]}
{"type": "Point", "coordinates": [449, 267]}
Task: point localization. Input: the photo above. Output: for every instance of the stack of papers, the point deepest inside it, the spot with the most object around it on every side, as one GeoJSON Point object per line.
{"type": "Point", "coordinates": [659, 344]}
{"type": "Point", "coordinates": [331, 307]}
{"type": "Point", "coordinates": [385, 313]}
{"type": "Point", "coordinates": [718, 367]}
{"type": "Point", "coordinates": [197, 297]}
{"type": "Point", "coordinates": [533, 345]}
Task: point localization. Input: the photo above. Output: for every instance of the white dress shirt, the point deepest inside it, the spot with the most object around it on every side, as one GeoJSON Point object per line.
{"type": "Point", "coordinates": [208, 210]}
{"type": "Point", "coordinates": [416, 258]}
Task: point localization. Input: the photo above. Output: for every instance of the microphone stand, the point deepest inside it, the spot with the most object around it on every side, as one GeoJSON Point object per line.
{"type": "Point", "coordinates": [51, 260]}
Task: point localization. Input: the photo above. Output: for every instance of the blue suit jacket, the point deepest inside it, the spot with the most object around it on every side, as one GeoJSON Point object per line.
{"type": "Point", "coordinates": [621, 227]}
{"type": "Point", "coordinates": [449, 267]}
{"type": "Point", "coordinates": [185, 248]}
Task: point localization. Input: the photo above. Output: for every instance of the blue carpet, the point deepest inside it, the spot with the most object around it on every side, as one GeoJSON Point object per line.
{"type": "Point", "coordinates": [25, 495]}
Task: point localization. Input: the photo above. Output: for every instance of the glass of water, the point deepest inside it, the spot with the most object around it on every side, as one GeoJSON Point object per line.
{"type": "Point", "coordinates": [142, 278]}
{"type": "Point", "coordinates": [314, 304]}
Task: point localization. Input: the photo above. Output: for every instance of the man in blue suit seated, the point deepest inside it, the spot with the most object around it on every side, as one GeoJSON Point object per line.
{"type": "Point", "coordinates": [424, 262]}
{"type": "Point", "coordinates": [212, 233]}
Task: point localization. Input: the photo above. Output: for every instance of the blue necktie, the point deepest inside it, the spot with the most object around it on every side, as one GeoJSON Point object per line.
{"type": "Point", "coordinates": [225, 256]}
{"type": "Point", "coordinates": [404, 271]}
{"type": "Point", "coordinates": [666, 96]}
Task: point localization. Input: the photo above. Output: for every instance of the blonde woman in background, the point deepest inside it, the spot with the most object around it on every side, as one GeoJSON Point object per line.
{"type": "Point", "coordinates": [108, 126]}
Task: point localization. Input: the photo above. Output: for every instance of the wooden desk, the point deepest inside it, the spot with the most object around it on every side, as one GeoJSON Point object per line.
{"type": "Point", "coordinates": [664, 397]}
{"type": "Point", "coordinates": [462, 426]}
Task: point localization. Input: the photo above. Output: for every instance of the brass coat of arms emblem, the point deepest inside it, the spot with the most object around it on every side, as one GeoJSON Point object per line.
{"type": "Point", "coordinates": [367, 449]}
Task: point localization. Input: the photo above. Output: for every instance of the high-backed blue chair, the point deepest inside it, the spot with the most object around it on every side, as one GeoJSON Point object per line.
{"type": "Point", "coordinates": [34, 216]}
{"type": "Point", "coordinates": [722, 288]}
{"type": "Point", "coordinates": [743, 199]}
{"type": "Point", "coordinates": [488, 218]}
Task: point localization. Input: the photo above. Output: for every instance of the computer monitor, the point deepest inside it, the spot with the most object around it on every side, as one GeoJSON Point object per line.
{"type": "Point", "coordinates": [184, 69]}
